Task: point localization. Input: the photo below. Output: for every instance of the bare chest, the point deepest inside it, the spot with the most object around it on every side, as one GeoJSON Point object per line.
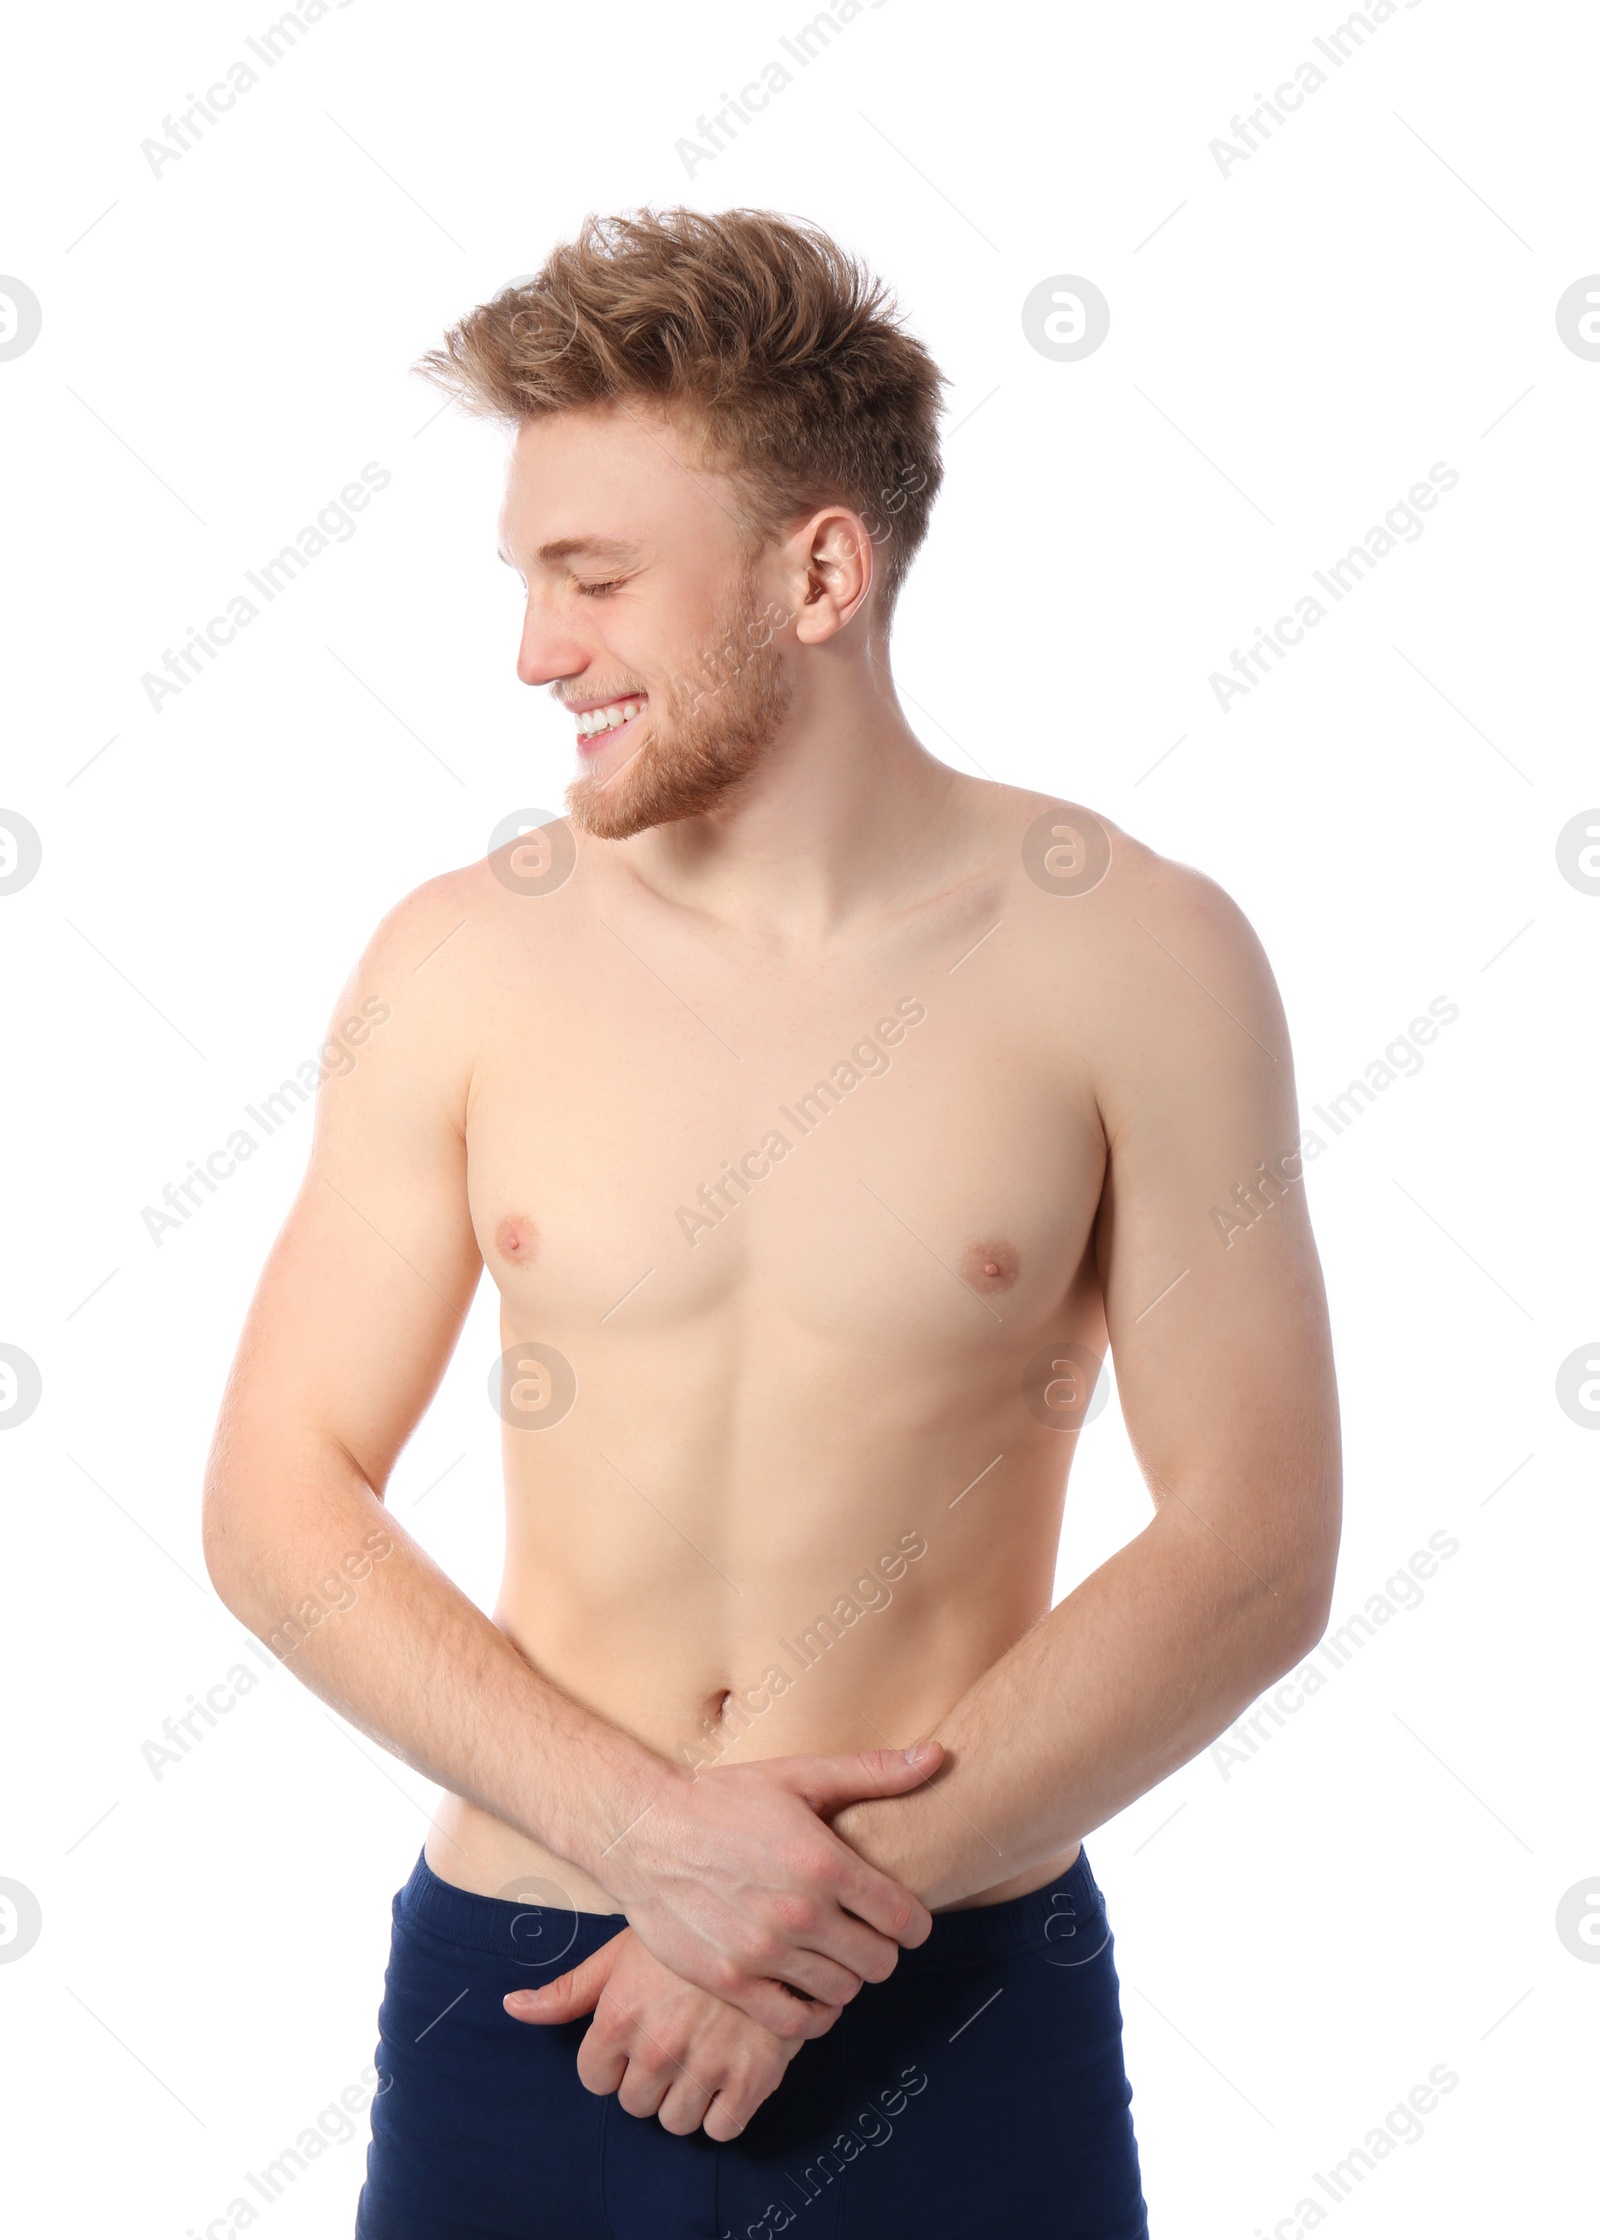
{"type": "Point", "coordinates": [883, 1155]}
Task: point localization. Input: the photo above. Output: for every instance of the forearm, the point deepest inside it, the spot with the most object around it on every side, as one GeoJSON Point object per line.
{"type": "Point", "coordinates": [710, 1870]}
{"type": "Point", "coordinates": [1125, 1680]}
{"type": "Point", "coordinates": [404, 1655]}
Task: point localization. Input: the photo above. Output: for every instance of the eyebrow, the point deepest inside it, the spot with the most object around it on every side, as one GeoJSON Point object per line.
{"type": "Point", "coordinates": [568, 548]}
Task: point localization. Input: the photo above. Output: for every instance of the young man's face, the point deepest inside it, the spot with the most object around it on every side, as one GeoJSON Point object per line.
{"type": "Point", "coordinates": [642, 595]}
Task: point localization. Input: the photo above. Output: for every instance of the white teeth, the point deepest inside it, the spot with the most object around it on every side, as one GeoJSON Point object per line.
{"type": "Point", "coordinates": [607, 719]}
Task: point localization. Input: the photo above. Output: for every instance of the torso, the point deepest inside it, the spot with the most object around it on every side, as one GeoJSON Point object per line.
{"type": "Point", "coordinates": [798, 1478]}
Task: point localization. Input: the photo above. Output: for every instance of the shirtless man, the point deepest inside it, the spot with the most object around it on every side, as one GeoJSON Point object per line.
{"type": "Point", "coordinates": [821, 1114]}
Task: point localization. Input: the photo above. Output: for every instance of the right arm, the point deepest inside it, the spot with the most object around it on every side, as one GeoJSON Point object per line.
{"type": "Point", "coordinates": [731, 1878]}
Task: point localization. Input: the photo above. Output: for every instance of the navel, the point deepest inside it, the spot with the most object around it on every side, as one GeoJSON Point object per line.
{"type": "Point", "coordinates": [990, 1264]}
{"type": "Point", "coordinates": [517, 1238]}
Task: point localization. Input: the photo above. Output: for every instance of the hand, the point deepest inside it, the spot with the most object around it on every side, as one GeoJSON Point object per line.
{"type": "Point", "coordinates": [663, 2046]}
{"type": "Point", "coordinates": [736, 1883]}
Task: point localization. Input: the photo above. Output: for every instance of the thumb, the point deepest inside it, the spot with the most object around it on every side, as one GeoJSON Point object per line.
{"type": "Point", "coordinates": [827, 1783]}
{"type": "Point", "coordinates": [566, 1997]}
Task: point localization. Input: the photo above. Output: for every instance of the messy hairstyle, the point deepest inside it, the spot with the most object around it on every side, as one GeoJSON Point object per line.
{"type": "Point", "coordinates": [781, 355]}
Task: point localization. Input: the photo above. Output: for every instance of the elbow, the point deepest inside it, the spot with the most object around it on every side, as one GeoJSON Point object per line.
{"type": "Point", "coordinates": [1303, 1587]}
{"type": "Point", "coordinates": [229, 1536]}
{"type": "Point", "coordinates": [220, 1545]}
{"type": "Point", "coordinates": [238, 1562]}
{"type": "Point", "coordinates": [1303, 1604]}
{"type": "Point", "coordinates": [1305, 1622]}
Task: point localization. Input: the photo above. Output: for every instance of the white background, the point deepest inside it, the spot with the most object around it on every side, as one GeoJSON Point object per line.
{"type": "Point", "coordinates": [1292, 345]}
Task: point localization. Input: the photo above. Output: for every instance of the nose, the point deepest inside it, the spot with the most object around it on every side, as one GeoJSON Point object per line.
{"type": "Point", "coordinates": [549, 648]}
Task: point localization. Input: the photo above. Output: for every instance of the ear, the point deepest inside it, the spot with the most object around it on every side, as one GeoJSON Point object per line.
{"type": "Point", "coordinates": [832, 567]}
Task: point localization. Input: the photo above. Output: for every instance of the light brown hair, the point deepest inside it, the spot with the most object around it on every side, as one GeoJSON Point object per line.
{"type": "Point", "coordinates": [777, 351]}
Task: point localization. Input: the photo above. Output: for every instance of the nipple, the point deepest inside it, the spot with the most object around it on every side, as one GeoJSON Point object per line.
{"type": "Point", "coordinates": [517, 1238]}
{"type": "Point", "coordinates": [991, 1264]}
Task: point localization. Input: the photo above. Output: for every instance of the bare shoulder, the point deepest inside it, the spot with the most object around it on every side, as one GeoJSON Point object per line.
{"type": "Point", "coordinates": [1067, 852]}
{"type": "Point", "coordinates": [1157, 967]}
{"type": "Point", "coordinates": [439, 943]}
{"type": "Point", "coordinates": [426, 976]}
{"type": "Point", "coordinates": [412, 929]}
{"type": "Point", "coordinates": [1176, 902]}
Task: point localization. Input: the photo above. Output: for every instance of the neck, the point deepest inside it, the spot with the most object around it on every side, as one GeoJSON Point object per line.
{"type": "Point", "coordinates": [834, 827]}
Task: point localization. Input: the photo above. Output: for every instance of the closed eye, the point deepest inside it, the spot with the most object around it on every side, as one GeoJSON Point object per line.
{"type": "Point", "coordinates": [594, 590]}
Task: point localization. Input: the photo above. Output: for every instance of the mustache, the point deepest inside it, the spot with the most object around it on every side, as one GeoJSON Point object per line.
{"type": "Point", "coordinates": [624, 692]}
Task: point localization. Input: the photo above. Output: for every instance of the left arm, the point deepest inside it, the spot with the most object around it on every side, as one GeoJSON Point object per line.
{"type": "Point", "coordinates": [1227, 1388]}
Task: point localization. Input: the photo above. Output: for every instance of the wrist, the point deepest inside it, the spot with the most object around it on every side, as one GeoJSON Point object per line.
{"type": "Point", "coordinates": [876, 1830]}
{"type": "Point", "coordinates": [617, 1823]}
{"type": "Point", "coordinates": [918, 1840]}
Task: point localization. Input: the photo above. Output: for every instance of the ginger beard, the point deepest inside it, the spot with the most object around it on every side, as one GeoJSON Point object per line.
{"type": "Point", "coordinates": [702, 738]}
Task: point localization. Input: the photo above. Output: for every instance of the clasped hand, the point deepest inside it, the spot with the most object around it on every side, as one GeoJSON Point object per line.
{"type": "Point", "coordinates": [751, 1926]}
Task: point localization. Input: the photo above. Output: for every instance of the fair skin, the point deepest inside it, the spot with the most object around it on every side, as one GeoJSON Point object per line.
{"type": "Point", "coordinates": [783, 1385]}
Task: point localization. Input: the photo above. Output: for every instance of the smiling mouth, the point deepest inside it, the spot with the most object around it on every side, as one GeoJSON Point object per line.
{"type": "Point", "coordinates": [597, 727]}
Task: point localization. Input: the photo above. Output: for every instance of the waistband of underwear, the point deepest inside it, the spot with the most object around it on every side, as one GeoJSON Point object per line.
{"type": "Point", "coordinates": [544, 1935]}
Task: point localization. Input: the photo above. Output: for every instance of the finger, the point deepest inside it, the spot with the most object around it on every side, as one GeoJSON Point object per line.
{"type": "Point", "coordinates": [645, 2086]}
{"type": "Point", "coordinates": [602, 2063]}
{"type": "Point", "coordinates": [733, 2106]}
{"type": "Point", "coordinates": [576, 1993]}
{"type": "Point", "coordinates": [830, 1937]}
{"type": "Point", "coordinates": [884, 1904]}
{"type": "Point", "coordinates": [726, 2117]}
{"type": "Point", "coordinates": [752, 1988]}
{"type": "Point", "coordinates": [683, 2105]}
{"type": "Point", "coordinates": [809, 1969]}
{"type": "Point", "coordinates": [778, 2009]}
{"type": "Point", "coordinates": [826, 1783]}
{"type": "Point", "coordinates": [619, 2046]}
